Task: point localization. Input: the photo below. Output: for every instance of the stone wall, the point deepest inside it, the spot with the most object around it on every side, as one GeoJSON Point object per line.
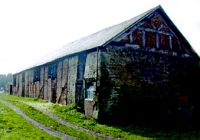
{"type": "Point", "coordinates": [141, 86]}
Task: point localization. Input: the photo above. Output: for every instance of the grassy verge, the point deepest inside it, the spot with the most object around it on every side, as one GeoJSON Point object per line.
{"type": "Point", "coordinates": [70, 114]}
{"type": "Point", "coordinates": [12, 126]}
{"type": "Point", "coordinates": [46, 120]}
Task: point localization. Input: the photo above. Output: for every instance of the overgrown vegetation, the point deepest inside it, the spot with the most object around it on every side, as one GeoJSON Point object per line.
{"type": "Point", "coordinates": [5, 81]}
{"type": "Point", "coordinates": [46, 120]}
{"type": "Point", "coordinates": [70, 114]}
{"type": "Point", "coordinates": [12, 126]}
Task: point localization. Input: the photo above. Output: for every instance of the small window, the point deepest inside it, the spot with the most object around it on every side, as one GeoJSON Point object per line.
{"type": "Point", "coordinates": [89, 92]}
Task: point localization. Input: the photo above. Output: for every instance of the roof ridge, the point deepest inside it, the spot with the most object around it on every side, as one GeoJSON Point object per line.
{"type": "Point", "coordinates": [94, 40]}
{"type": "Point", "coordinates": [140, 15]}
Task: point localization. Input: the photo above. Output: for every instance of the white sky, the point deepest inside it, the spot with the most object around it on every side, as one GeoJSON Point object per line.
{"type": "Point", "coordinates": [31, 29]}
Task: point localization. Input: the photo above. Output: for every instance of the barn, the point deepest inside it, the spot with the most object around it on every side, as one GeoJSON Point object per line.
{"type": "Point", "coordinates": [141, 69]}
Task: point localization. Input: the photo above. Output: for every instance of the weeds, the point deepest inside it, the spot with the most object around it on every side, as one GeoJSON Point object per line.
{"type": "Point", "coordinates": [12, 126]}
{"type": "Point", "coordinates": [70, 114]}
{"type": "Point", "coordinates": [46, 120]}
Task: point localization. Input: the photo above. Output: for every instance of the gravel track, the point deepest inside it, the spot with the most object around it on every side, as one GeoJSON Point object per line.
{"type": "Point", "coordinates": [37, 124]}
{"type": "Point", "coordinates": [68, 124]}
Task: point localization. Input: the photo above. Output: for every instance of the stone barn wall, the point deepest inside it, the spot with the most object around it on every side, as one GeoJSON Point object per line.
{"type": "Point", "coordinates": [145, 87]}
{"type": "Point", "coordinates": [141, 70]}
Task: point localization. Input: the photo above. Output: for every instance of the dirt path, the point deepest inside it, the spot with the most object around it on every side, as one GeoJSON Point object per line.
{"type": "Point", "coordinates": [46, 111]}
{"type": "Point", "coordinates": [37, 124]}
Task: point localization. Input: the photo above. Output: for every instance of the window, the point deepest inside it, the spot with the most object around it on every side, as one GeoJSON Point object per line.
{"type": "Point", "coordinates": [89, 92]}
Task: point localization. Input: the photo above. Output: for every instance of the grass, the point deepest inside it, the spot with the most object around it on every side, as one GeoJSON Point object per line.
{"type": "Point", "coordinates": [13, 126]}
{"type": "Point", "coordinates": [47, 121]}
{"type": "Point", "coordinates": [70, 114]}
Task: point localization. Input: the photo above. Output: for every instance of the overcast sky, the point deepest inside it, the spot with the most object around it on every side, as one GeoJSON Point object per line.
{"type": "Point", "coordinates": [31, 29]}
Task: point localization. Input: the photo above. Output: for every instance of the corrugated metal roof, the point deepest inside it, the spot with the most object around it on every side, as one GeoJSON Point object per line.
{"type": "Point", "coordinates": [94, 40]}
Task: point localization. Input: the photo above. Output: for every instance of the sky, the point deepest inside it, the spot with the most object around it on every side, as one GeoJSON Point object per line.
{"type": "Point", "coordinates": [33, 29]}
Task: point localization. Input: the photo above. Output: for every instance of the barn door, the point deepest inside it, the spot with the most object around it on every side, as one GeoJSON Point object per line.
{"type": "Point", "coordinates": [53, 91]}
{"type": "Point", "coordinates": [79, 83]}
{"type": "Point", "coordinates": [80, 95]}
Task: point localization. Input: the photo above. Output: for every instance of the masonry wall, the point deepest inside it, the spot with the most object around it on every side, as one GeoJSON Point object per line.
{"type": "Point", "coordinates": [147, 87]}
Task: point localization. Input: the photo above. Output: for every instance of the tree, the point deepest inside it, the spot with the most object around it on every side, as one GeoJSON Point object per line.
{"type": "Point", "coordinates": [5, 81]}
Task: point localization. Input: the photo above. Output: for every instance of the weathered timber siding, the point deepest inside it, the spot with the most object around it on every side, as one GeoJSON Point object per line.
{"type": "Point", "coordinates": [49, 89]}
{"type": "Point", "coordinates": [64, 91]}
{"type": "Point", "coordinates": [26, 84]}
{"type": "Point", "coordinates": [14, 90]}
{"type": "Point", "coordinates": [46, 82]}
{"type": "Point", "coordinates": [88, 104]}
{"type": "Point", "coordinates": [31, 85]}
{"type": "Point", "coordinates": [72, 77]}
{"type": "Point", "coordinates": [90, 75]}
{"type": "Point", "coordinates": [59, 80]}
{"type": "Point", "coordinates": [80, 83]}
{"type": "Point", "coordinates": [20, 85]}
{"type": "Point", "coordinates": [17, 85]}
{"type": "Point", "coordinates": [42, 81]}
{"type": "Point", "coordinates": [91, 65]}
{"type": "Point", "coordinates": [37, 89]}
